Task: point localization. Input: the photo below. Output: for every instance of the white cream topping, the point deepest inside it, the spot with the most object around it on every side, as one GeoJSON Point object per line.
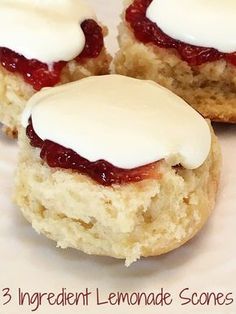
{"type": "Point", "coordinates": [46, 30]}
{"type": "Point", "coordinates": [205, 23]}
{"type": "Point", "coordinates": [125, 121]}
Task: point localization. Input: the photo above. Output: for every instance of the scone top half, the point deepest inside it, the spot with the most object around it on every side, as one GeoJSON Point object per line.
{"type": "Point", "coordinates": [127, 164]}
{"type": "Point", "coordinates": [45, 43]}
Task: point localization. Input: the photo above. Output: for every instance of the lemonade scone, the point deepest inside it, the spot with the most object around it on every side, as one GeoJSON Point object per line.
{"type": "Point", "coordinates": [45, 43]}
{"type": "Point", "coordinates": [116, 166]}
{"type": "Point", "coordinates": [188, 46]}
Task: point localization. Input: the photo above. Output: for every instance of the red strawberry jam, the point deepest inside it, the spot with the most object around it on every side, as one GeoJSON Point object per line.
{"type": "Point", "coordinates": [57, 156]}
{"type": "Point", "coordinates": [37, 73]}
{"type": "Point", "coordinates": [148, 32]}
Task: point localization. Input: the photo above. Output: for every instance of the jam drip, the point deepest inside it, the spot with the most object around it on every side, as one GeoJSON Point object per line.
{"type": "Point", "coordinates": [57, 156]}
{"type": "Point", "coordinates": [38, 74]}
{"type": "Point", "coordinates": [148, 32]}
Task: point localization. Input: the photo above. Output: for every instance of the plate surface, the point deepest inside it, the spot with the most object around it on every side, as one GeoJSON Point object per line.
{"type": "Point", "coordinates": [31, 263]}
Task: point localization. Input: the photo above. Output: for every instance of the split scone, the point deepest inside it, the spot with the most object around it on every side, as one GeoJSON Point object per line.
{"type": "Point", "coordinates": [46, 43]}
{"type": "Point", "coordinates": [116, 166]}
{"type": "Point", "coordinates": [188, 46]}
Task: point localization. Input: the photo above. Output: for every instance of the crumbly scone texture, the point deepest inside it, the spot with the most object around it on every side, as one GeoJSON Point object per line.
{"type": "Point", "coordinates": [15, 92]}
{"type": "Point", "coordinates": [148, 218]}
{"type": "Point", "coordinates": [209, 88]}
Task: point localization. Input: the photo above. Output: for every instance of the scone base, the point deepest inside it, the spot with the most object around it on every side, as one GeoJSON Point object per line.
{"type": "Point", "coordinates": [148, 218]}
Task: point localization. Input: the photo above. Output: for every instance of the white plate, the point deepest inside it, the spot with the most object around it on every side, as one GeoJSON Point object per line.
{"type": "Point", "coordinates": [32, 263]}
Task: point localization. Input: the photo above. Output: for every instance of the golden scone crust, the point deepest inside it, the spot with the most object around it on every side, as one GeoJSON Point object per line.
{"type": "Point", "coordinates": [15, 92]}
{"type": "Point", "coordinates": [148, 218]}
{"type": "Point", "coordinates": [209, 88]}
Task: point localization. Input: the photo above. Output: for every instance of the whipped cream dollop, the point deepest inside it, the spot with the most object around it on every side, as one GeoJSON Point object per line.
{"type": "Point", "coordinates": [205, 23]}
{"type": "Point", "coordinates": [125, 121]}
{"type": "Point", "coordinates": [45, 30]}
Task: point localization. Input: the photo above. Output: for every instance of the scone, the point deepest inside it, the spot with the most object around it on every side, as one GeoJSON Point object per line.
{"type": "Point", "coordinates": [43, 44]}
{"type": "Point", "coordinates": [116, 166]}
{"type": "Point", "coordinates": [188, 46]}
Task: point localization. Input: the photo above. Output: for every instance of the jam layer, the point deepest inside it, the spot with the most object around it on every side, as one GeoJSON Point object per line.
{"type": "Point", "coordinates": [101, 171]}
{"type": "Point", "coordinates": [148, 32]}
{"type": "Point", "coordinates": [37, 73]}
